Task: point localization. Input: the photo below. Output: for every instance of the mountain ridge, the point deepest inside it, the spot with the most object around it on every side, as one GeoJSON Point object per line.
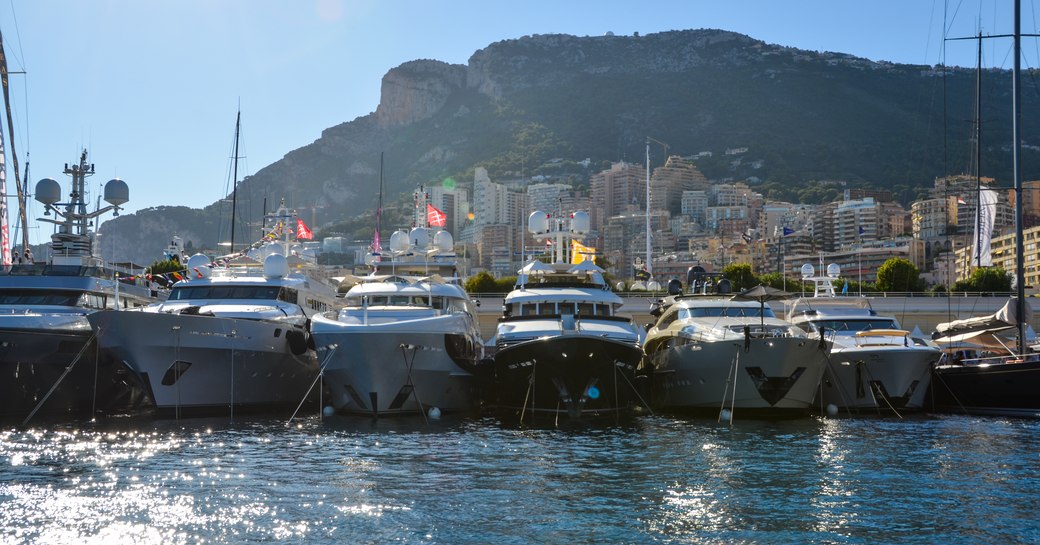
{"type": "Point", "coordinates": [519, 102]}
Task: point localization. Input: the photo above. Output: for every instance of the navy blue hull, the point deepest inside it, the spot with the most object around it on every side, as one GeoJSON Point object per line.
{"type": "Point", "coordinates": [1006, 389]}
{"type": "Point", "coordinates": [32, 362]}
{"type": "Point", "coordinates": [571, 377]}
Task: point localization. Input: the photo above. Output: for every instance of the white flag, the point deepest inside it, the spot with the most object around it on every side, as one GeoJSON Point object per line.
{"type": "Point", "coordinates": [984, 227]}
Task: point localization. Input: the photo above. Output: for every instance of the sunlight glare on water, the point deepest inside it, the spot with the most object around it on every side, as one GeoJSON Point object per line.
{"type": "Point", "coordinates": [655, 480]}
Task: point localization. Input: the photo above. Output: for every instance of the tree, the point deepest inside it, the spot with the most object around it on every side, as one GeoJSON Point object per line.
{"type": "Point", "coordinates": [898, 274]}
{"type": "Point", "coordinates": [482, 282]}
{"type": "Point", "coordinates": [991, 279]}
{"type": "Point", "coordinates": [740, 276]}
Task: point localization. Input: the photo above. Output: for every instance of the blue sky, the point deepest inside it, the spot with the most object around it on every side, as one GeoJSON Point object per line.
{"type": "Point", "coordinates": [151, 88]}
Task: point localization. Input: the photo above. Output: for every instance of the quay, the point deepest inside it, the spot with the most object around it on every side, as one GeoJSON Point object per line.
{"type": "Point", "coordinates": [924, 311]}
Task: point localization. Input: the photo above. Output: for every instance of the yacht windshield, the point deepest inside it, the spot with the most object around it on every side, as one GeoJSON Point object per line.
{"type": "Point", "coordinates": [726, 312]}
{"type": "Point", "coordinates": [39, 297]}
{"type": "Point", "coordinates": [225, 292]}
{"type": "Point", "coordinates": [854, 324]}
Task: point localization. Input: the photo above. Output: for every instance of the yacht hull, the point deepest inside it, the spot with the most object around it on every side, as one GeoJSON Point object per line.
{"type": "Point", "coordinates": [207, 364]}
{"type": "Point", "coordinates": [33, 361]}
{"type": "Point", "coordinates": [1002, 389]}
{"type": "Point", "coordinates": [566, 376]}
{"type": "Point", "coordinates": [383, 370]}
{"type": "Point", "coordinates": [877, 378]}
{"type": "Point", "coordinates": [773, 375]}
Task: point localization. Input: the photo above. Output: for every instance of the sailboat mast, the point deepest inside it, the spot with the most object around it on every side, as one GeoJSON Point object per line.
{"type": "Point", "coordinates": [14, 156]}
{"type": "Point", "coordinates": [649, 262]}
{"type": "Point", "coordinates": [1016, 154]}
{"type": "Point", "coordinates": [376, 242]}
{"type": "Point", "coordinates": [978, 155]}
{"type": "Point", "coordinates": [234, 180]}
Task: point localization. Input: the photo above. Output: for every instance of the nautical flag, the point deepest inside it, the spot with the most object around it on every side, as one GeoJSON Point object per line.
{"type": "Point", "coordinates": [747, 238]}
{"type": "Point", "coordinates": [580, 252]}
{"type": "Point", "coordinates": [302, 232]}
{"type": "Point", "coordinates": [984, 227]}
{"type": "Point", "coordinates": [5, 234]}
{"type": "Point", "coordinates": [960, 200]}
{"type": "Point", "coordinates": [860, 230]}
{"type": "Point", "coordinates": [435, 217]}
{"type": "Point", "coordinates": [788, 231]}
{"type": "Point", "coordinates": [845, 288]}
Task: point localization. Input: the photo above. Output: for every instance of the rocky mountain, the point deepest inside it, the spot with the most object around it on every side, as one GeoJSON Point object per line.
{"type": "Point", "coordinates": [804, 116]}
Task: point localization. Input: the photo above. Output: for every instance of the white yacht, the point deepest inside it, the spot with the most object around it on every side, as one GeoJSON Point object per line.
{"type": "Point", "coordinates": [874, 364]}
{"type": "Point", "coordinates": [233, 334]}
{"type": "Point", "coordinates": [407, 340]}
{"type": "Point", "coordinates": [715, 353]}
{"type": "Point", "coordinates": [48, 361]}
{"type": "Point", "coordinates": [561, 349]}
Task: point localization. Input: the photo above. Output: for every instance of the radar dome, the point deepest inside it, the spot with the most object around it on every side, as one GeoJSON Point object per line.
{"type": "Point", "coordinates": [198, 264]}
{"type": "Point", "coordinates": [580, 222]}
{"type": "Point", "coordinates": [419, 236]}
{"type": "Point", "coordinates": [399, 241]}
{"type": "Point", "coordinates": [653, 285]}
{"type": "Point", "coordinates": [275, 266]}
{"type": "Point", "coordinates": [833, 270]}
{"type": "Point", "coordinates": [443, 241]}
{"type": "Point", "coordinates": [116, 192]}
{"type": "Point", "coordinates": [538, 222]}
{"type": "Point", "coordinates": [48, 191]}
{"type": "Point", "coordinates": [808, 271]}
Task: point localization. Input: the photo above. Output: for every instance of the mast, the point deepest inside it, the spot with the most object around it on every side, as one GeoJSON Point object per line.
{"type": "Point", "coordinates": [14, 156]}
{"type": "Point", "coordinates": [1016, 151]}
{"type": "Point", "coordinates": [978, 155]}
{"type": "Point", "coordinates": [376, 243]}
{"type": "Point", "coordinates": [649, 262]}
{"type": "Point", "coordinates": [234, 182]}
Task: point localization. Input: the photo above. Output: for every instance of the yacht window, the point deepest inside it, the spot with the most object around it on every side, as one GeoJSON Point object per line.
{"type": "Point", "coordinates": [36, 297]}
{"type": "Point", "coordinates": [378, 300]}
{"type": "Point", "coordinates": [727, 312]}
{"type": "Point", "coordinates": [288, 295]}
{"type": "Point", "coordinates": [854, 325]}
{"type": "Point", "coordinates": [547, 309]}
{"type": "Point", "coordinates": [438, 303]}
{"type": "Point", "coordinates": [227, 292]}
{"type": "Point", "coordinates": [587, 309]}
{"type": "Point", "coordinates": [528, 310]}
{"type": "Point", "coordinates": [671, 317]}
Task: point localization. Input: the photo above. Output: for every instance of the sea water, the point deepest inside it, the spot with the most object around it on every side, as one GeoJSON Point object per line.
{"type": "Point", "coordinates": [655, 479]}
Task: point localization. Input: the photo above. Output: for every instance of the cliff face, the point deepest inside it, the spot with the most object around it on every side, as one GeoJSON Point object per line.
{"type": "Point", "coordinates": [417, 90]}
{"type": "Point", "coordinates": [805, 115]}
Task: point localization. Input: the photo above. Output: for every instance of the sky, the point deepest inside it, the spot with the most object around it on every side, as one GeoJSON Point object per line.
{"type": "Point", "coordinates": [151, 88]}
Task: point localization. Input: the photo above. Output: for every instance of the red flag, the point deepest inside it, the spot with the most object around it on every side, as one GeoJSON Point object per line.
{"type": "Point", "coordinates": [302, 232]}
{"type": "Point", "coordinates": [436, 217]}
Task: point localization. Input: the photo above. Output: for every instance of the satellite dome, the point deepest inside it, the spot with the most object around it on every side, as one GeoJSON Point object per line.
{"type": "Point", "coordinates": [538, 222]}
{"type": "Point", "coordinates": [419, 236]}
{"type": "Point", "coordinates": [199, 265]}
{"type": "Point", "coordinates": [275, 266]}
{"type": "Point", "coordinates": [833, 270]}
{"type": "Point", "coordinates": [48, 191]}
{"type": "Point", "coordinates": [116, 192]}
{"type": "Point", "coordinates": [580, 222]}
{"type": "Point", "coordinates": [399, 241]}
{"type": "Point", "coordinates": [444, 241]}
{"type": "Point", "coordinates": [808, 271]}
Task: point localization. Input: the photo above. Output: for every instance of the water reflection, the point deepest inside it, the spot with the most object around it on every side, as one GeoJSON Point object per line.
{"type": "Point", "coordinates": [462, 480]}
